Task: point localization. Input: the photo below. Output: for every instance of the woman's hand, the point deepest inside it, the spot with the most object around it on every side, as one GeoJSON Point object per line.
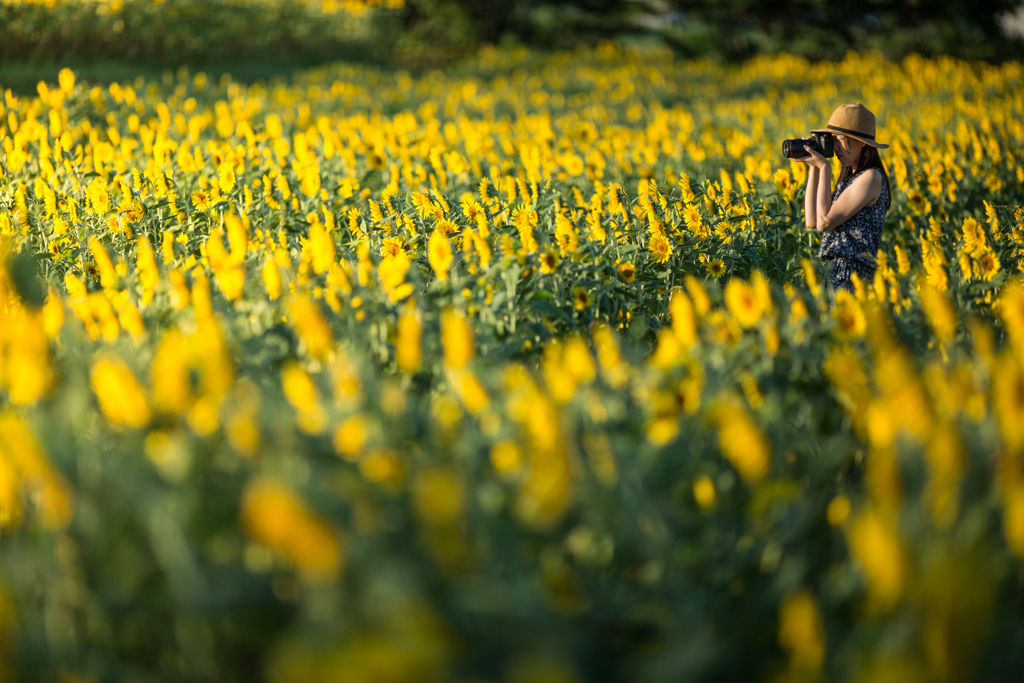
{"type": "Point", "coordinates": [814, 159]}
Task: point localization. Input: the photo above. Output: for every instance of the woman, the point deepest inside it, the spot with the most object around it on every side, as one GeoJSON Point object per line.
{"type": "Point", "coordinates": [851, 218]}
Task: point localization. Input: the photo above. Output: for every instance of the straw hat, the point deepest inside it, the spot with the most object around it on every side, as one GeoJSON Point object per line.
{"type": "Point", "coordinates": [855, 121]}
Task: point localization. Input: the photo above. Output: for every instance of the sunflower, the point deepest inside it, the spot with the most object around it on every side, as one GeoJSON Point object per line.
{"type": "Point", "coordinates": [935, 274]}
{"type": "Point", "coordinates": [226, 178]}
{"type": "Point", "coordinates": [549, 261]}
{"type": "Point", "coordinates": [1008, 401]}
{"type": "Point", "coordinates": [743, 303]}
{"type": "Point", "coordinates": [133, 210]}
{"type": "Point", "coordinates": [627, 272]}
{"type": "Point", "coordinates": [849, 315]}
{"type": "Point", "coordinates": [660, 248]}
{"type": "Point", "coordinates": [392, 247]}
{"type": "Point", "coordinates": [580, 298]}
{"type": "Point", "coordinates": [694, 220]}
{"type": "Point", "coordinates": [974, 236]}
{"type": "Point", "coordinates": [573, 164]}
{"type": "Point", "coordinates": [521, 215]}
{"type": "Point", "coordinates": [439, 254]}
{"type": "Point", "coordinates": [201, 201]}
{"type": "Point", "coordinates": [98, 197]}
{"type": "Point", "coordinates": [918, 203]}
{"type": "Point", "coordinates": [992, 216]}
{"type": "Point", "coordinates": [741, 441]}
{"type": "Point", "coordinates": [446, 227]}
{"type": "Point", "coordinates": [392, 270]}
{"type": "Point", "coordinates": [939, 312]}
{"type": "Point", "coordinates": [716, 267]}
{"type": "Point", "coordinates": [988, 266]}
{"type": "Point", "coordinates": [1011, 310]}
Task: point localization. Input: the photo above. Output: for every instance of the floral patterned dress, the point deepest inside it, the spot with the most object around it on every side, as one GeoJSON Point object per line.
{"type": "Point", "coordinates": [851, 247]}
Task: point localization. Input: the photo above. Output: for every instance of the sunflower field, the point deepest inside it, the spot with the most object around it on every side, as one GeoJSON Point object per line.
{"type": "Point", "coordinates": [522, 371]}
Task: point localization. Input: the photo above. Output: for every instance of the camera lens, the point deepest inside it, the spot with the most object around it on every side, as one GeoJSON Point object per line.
{"type": "Point", "coordinates": [793, 149]}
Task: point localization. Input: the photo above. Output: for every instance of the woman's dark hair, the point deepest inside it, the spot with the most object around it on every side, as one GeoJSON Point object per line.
{"type": "Point", "coordinates": [869, 158]}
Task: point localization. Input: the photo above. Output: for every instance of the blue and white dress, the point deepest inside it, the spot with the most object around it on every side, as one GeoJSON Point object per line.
{"type": "Point", "coordinates": [851, 247]}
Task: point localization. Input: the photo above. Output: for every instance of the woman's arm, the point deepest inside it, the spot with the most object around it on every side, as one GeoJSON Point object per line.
{"type": "Point", "coordinates": [864, 190]}
{"type": "Point", "coordinates": [810, 199]}
{"type": "Point", "coordinates": [823, 197]}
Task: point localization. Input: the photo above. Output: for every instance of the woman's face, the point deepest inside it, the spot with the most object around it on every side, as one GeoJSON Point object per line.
{"type": "Point", "coordinates": [847, 149]}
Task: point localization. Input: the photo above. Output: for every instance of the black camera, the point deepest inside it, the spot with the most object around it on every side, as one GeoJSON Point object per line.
{"type": "Point", "coordinates": [822, 143]}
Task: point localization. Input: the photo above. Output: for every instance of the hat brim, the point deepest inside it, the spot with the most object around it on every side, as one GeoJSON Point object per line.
{"type": "Point", "coordinates": [866, 141]}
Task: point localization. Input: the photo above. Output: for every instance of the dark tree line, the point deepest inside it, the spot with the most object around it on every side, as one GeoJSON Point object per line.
{"type": "Point", "coordinates": [251, 42]}
{"type": "Point", "coordinates": [729, 29]}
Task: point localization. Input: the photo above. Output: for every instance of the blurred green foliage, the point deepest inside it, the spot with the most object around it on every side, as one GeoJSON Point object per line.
{"type": "Point", "coordinates": [265, 38]}
{"type": "Point", "coordinates": [260, 39]}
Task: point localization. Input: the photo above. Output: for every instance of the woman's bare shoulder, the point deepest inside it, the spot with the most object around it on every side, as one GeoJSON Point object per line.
{"type": "Point", "coordinates": [871, 175]}
{"type": "Point", "coordinates": [870, 179]}
{"type": "Point", "coordinates": [870, 184]}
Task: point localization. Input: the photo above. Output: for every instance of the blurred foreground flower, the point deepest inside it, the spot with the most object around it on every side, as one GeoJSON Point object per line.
{"type": "Point", "coordinates": [275, 516]}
